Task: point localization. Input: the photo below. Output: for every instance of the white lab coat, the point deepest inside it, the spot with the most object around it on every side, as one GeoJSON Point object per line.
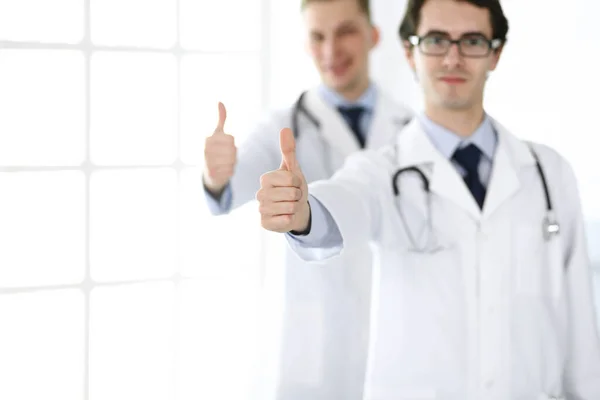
{"type": "Point", "coordinates": [324, 309]}
{"type": "Point", "coordinates": [498, 313]}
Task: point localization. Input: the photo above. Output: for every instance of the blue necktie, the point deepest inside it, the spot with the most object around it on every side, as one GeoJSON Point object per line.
{"type": "Point", "coordinates": [468, 158]}
{"type": "Point", "coordinates": [352, 116]}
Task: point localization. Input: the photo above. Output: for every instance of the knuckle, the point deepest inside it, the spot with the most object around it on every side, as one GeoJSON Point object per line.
{"type": "Point", "coordinates": [264, 179]}
{"type": "Point", "coordinates": [286, 221]}
{"type": "Point", "coordinates": [289, 180]}
{"type": "Point", "coordinates": [265, 224]}
{"type": "Point", "coordinates": [288, 194]}
{"type": "Point", "coordinates": [296, 194]}
{"type": "Point", "coordinates": [295, 207]}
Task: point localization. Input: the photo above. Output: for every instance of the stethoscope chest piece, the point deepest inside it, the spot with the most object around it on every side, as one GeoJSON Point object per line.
{"type": "Point", "coordinates": [550, 227]}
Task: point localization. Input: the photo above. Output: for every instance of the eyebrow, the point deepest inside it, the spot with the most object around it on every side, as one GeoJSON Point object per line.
{"type": "Point", "coordinates": [344, 25]}
{"type": "Point", "coordinates": [469, 33]}
{"type": "Point", "coordinates": [347, 24]}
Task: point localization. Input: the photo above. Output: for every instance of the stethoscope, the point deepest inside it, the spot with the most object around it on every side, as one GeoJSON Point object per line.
{"type": "Point", "coordinates": [550, 226]}
{"type": "Point", "coordinates": [300, 108]}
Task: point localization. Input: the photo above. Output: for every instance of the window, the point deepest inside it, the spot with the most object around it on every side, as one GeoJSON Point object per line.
{"type": "Point", "coordinates": [115, 283]}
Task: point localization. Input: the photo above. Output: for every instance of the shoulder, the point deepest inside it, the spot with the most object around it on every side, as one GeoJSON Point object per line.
{"type": "Point", "coordinates": [276, 114]}
{"type": "Point", "coordinates": [272, 119]}
{"type": "Point", "coordinates": [552, 160]}
{"type": "Point", "coordinates": [263, 129]}
{"type": "Point", "coordinates": [389, 102]}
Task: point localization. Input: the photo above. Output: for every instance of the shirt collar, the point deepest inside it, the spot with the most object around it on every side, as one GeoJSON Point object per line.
{"type": "Point", "coordinates": [447, 142]}
{"type": "Point", "coordinates": [334, 99]}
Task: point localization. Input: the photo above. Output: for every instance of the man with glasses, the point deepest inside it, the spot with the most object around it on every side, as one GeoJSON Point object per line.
{"type": "Point", "coordinates": [483, 286]}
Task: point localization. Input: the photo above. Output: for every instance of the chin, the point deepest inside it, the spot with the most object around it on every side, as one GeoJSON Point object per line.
{"type": "Point", "coordinates": [453, 101]}
{"type": "Point", "coordinates": [456, 104]}
{"type": "Point", "coordinates": [337, 83]}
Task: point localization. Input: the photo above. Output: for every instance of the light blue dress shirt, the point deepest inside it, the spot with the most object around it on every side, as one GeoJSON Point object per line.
{"type": "Point", "coordinates": [323, 229]}
{"type": "Point", "coordinates": [367, 100]}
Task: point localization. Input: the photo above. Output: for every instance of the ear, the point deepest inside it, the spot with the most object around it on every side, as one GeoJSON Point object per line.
{"type": "Point", "coordinates": [375, 36]}
{"type": "Point", "coordinates": [496, 58]}
{"type": "Point", "coordinates": [409, 54]}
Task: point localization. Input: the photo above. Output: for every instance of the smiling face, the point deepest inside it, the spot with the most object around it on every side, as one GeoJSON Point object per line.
{"type": "Point", "coordinates": [340, 38]}
{"type": "Point", "coordinates": [453, 81]}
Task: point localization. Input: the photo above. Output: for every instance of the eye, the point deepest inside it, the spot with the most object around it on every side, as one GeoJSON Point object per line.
{"type": "Point", "coordinates": [474, 42]}
{"type": "Point", "coordinates": [435, 40]}
{"type": "Point", "coordinates": [316, 37]}
{"type": "Point", "coordinates": [347, 30]}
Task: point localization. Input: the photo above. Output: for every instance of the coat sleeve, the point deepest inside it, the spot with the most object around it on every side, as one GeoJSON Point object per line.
{"type": "Point", "coordinates": [351, 203]}
{"type": "Point", "coordinates": [582, 370]}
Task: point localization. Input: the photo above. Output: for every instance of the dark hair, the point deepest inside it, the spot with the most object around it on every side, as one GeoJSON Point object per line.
{"type": "Point", "coordinates": [365, 5]}
{"type": "Point", "coordinates": [412, 17]}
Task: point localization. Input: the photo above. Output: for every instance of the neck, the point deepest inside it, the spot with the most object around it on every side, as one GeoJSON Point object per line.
{"type": "Point", "coordinates": [462, 122]}
{"type": "Point", "coordinates": [353, 91]}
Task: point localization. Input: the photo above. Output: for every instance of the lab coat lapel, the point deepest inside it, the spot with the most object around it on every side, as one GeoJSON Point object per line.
{"type": "Point", "coordinates": [334, 128]}
{"type": "Point", "coordinates": [415, 149]}
{"type": "Point", "coordinates": [511, 155]}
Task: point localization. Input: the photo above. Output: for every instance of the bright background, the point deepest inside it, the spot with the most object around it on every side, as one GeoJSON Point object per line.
{"type": "Point", "coordinates": [115, 283]}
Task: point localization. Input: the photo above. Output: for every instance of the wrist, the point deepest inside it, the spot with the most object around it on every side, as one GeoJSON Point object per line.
{"type": "Point", "coordinates": [215, 190]}
{"type": "Point", "coordinates": [304, 218]}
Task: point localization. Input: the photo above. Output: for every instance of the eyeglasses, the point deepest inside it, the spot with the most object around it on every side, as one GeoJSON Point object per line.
{"type": "Point", "coordinates": [468, 46]}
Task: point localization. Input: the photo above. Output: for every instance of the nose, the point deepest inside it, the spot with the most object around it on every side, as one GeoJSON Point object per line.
{"type": "Point", "coordinates": [453, 58]}
{"type": "Point", "coordinates": [330, 47]}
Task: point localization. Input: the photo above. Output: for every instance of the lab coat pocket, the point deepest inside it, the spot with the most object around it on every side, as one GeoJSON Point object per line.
{"type": "Point", "coordinates": [415, 306]}
{"type": "Point", "coordinates": [538, 263]}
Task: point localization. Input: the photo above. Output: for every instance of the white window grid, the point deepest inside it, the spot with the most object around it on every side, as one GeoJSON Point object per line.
{"type": "Point", "coordinates": [88, 49]}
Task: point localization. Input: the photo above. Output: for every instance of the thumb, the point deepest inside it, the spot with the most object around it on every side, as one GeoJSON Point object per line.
{"type": "Point", "coordinates": [222, 117]}
{"type": "Point", "coordinates": [288, 150]}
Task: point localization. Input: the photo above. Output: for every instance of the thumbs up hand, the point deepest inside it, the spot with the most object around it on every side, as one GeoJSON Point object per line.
{"type": "Point", "coordinates": [219, 156]}
{"type": "Point", "coordinates": [283, 194]}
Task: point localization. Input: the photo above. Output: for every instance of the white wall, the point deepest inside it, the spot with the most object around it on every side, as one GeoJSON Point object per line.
{"type": "Point", "coordinates": [388, 64]}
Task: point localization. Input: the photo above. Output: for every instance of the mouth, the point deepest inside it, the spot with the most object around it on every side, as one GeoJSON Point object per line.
{"type": "Point", "coordinates": [453, 80]}
{"type": "Point", "coordinates": [340, 68]}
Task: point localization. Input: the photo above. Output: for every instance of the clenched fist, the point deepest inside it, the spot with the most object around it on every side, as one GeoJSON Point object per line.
{"type": "Point", "coordinates": [283, 194]}
{"type": "Point", "coordinates": [219, 156]}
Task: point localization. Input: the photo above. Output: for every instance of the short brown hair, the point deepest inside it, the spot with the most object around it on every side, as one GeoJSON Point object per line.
{"type": "Point", "coordinates": [412, 17]}
{"type": "Point", "coordinates": [365, 5]}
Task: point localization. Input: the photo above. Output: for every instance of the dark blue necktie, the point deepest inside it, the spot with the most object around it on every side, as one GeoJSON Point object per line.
{"type": "Point", "coordinates": [468, 158]}
{"type": "Point", "coordinates": [352, 116]}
